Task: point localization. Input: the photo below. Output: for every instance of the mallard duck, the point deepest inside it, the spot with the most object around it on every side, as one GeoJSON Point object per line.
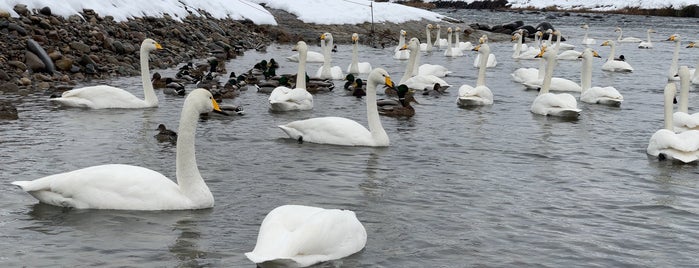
{"type": "Point", "coordinates": [436, 91]}
{"type": "Point", "coordinates": [349, 78]}
{"type": "Point", "coordinates": [173, 88]}
{"type": "Point", "coordinates": [269, 85]}
{"type": "Point", "coordinates": [357, 89]}
{"type": "Point", "coordinates": [166, 135]}
{"type": "Point", "coordinates": [158, 81]}
{"type": "Point", "coordinates": [318, 85]}
{"type": "Point", "coordinates": [403, 109]}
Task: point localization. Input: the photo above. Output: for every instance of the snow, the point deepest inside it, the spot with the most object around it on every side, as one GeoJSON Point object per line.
{"type": "Point", "coordinates": [309, 11]}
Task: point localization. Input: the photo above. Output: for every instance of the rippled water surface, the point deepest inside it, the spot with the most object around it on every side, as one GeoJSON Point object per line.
{"type": "Point", "coordinates": [495, 186]}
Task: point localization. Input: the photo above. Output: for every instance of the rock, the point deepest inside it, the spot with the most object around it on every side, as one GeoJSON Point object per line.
{"type": "Point", "coordinates": [25, 81]}
{"type": "Point", "coordinates": [55, 55]}
{"type": "Point", "coordinates": [46, 11]}
{"type": "Point", "coordinates": [64, 64]}
{"type": "Point", "coordinates": [17, 28]}
{"type": "Point", "coordinates": [4, 76]}
{"type": "Point", "coordinates": [80, 46]}
{"type": "Point", "coordinates": [4, 14]}
{"type": "Point", "coordinates": [9, 87]}
{"type": "Point", "coordinates": [8, 111]}
{"type": "Point", "coordinates": [18, 64]}
{"type": "Point", "coordinates": [21, 10]}
{"type": "Point", "coordinates": [36, 49]}
{"type": "Point", "coordinates": [43, 85]}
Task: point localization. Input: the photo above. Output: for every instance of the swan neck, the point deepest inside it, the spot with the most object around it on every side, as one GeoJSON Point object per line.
{"type": "Point", "coordinates": [429, 39]}
{"type": "Point", "coordinates": [482, 67]}
{"type": "Point", "coordinates": [683, 105]}
{"type": "Point", "coordinates": [648, 36]}
{"type": "Point", "coordinates": [372, 113]}
{"type": "Point", "coordinates": [611, 52]}
{"type": "Point", "coordinates": [148, 93]}
{"type": "Point", "coordinates": [301, 73]}
{"type": "Point", "coordinates": [325, 72]}
{"type": "Point", "coordinates": [411, 66]}
{"type": "Point", "coordinates": [586, 75]}
{"type": "Point", "coordinates": [518, 47]}
{"type": "Point", "coordinates": [675, 59]}
{"type": "Point", "coordinates": [354, 66]}
{"type": "Point", "coordinates": [542, 69]}
{"type": "Point", "coordinates": [456, 38]}
{"type": "Point", "coordinates": [550, 63]}
{"type": "Point", "coordinates": [669, 111]}
{"type": "Point", "coordinates": [187, 172]}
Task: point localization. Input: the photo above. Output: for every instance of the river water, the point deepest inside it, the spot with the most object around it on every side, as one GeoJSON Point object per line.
{"type": "Point", "coordinates": [489, 187]}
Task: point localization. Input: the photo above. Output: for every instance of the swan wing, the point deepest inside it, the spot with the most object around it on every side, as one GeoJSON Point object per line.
{"type": "Point", "coordinates": [329, 130]}
{"type": "Point", "coordinates": [433, 69]}
{"type": "Point", "coordinates": [681, 146]}
{"type": "Point", "coordinates": [555, 104]}
{"type": "Point", "coordinates": [685, 121]}
{"type": "Point", "coordinates": [99, 97]}
{"type": "Point", "coordinates": [422, 82]}
{"type": "Point", "coordinates": [472, 96]}
{"type": "Point", "coordinates": [601, 95]}
{"type": "Point", "coordinates": [286, 99]}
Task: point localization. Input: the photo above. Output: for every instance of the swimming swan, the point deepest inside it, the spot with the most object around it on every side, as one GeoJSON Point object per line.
{"type": "Point", "coordinates": [286, 99]}
{"type": "Point", "coordinates": [427, 46]}
{"type": "Point", "coordinates": [681, 119]}
{"type": "Point", "coordinates": [357, 67]}
{"type": "Point", "coordinates": [343, 131]}
{"type": "Point", "coordinates": [626, 39]}
{"type": "Point", "coordinates": [612, 64]}
{"type": "Point", "coordinates": [546, 103]}
{"type": "Point", "coordinates": [420, 81]}
{"type": "Point", "coordinates": [327, 71]}
{"type": "Point", "coordinates": [599, 95]}
{"type": "Point", "coordinates": [106, 97]}
{"type": "Point", "coordinates": [586, 40]}
{"type": "Point", "coordinates": [300, 236]}
{"type": "Point", "coordinates": [648, 43]}
{"type": "Point", "coordinates": [451, 50]}
{"type": "Point", "coordinates": [397, 52]}
{"type": "Point", "coordinates": [665, 143]}
{"type": "Point", "coordinates": [481, 94]}
{"type": "Point", "coordinates": [126, 187]}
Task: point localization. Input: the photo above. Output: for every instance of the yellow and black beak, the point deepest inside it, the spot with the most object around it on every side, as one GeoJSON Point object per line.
{"type": "Point", "coordinates": [158, 46]}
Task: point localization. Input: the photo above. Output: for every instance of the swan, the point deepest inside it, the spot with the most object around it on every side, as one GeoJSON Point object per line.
{"type": "Point", "coordinates": [357, 67]}
{"type": "Point", "coordinates": [440, 42]}
{"type": "Point", "coordinates": [286, 99]}
{"type": "Point", "coordinates": [464, 46]}
{"type": "Point", "coordinates": [520, 52]}
{"type": "Point", "coordinates": [648, 43]}
{"type": "Point", "coordinates": [682, 119]}
{"type": "Point", "coordinates": [311, 56]}
{"type": "Point", "coordinates": [612, 64]}
{"type": "Point", "coordinates": [427, 46]}
{"type": "Point", "coordinates": [126, 187]}
{"type": "Point", "coordinates": [106, 97]}
{"type": "Point", "coordinates": [397, 52]}
{"type": "Point", "coordinates": [300, 236]}
{"type": "Point", "coordinates": [420, 81]}
{"type": "Point", "coordinates": [626, 39]}
{"type": "Point", "coordinates": [327, 71]}
{"type": "Point", "coordinates": [343, 131]}
{"type": "Point", "coordinates": [599, 95]}
{"type": "Point", "coordinates": [481, 94]}
{"type": "Point", "coordinates": [569, 54]}
{"type": "Point", "coordinates": [672, 73]}
{"type": "Point", "coordinates": [546, 103]}
{"type": "Point", "coordinates": [665, 143]}
{"type": "Point", "coordinates": [556, 83]}
{"type": "Point", "coordinates": [451, 51]}
{"type": "Point", "coordinates": [586, 40]}
{"type": "Point", "coordinates": [492, 62]}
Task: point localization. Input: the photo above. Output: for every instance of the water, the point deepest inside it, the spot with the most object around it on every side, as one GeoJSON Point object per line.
{"type": "Point", "coordinates": [492, 187]}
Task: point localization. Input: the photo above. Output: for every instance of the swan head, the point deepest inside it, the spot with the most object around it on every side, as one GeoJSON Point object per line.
{"type": "Point", "coordinates": [202, 101]}
{"type": "Point", "coordinates": [150, 45]}
{"type": "Point", "coordinates": [482, 49]}
{"type": "Point", "coordinates": [692, 44]}
{"type": "Point", "coordinates": [674, 37]}
{"type": "Point", "coordinates": [458, 29]}
{"type": "Point", "coordinates": [380, 76]}
{"type": "Point", "coordinates": [585, 26]}
{"type": "Point", "coordinates": [607, 43]}
{"type": "Point", "coordinates": [542, 52]}
{"type": "Point", "coordinates": [588, 52]}
{"type": "Point", "coordinates": [355, 37]}
{"type": "Point", "coordinates": [651, 30]}
{"type": "Point", "coordinates": [617, 29]}
{"type": "Point", "coordinates": [300, 46]}
{"type": "Point", "coordinates": [449, 30]}
{"type": "Point", "coordinates": [516, 36]}
{"type": "Point", "coordinates": [413, 44]}
{"type": "Point", "coordinates": [328, 36]}
{"type": "Point", "coordinates": [483, 39]}
{"type": "Point", "coordinates": [403, 33]}
{"type": "Point", "coordinates": [429, 26]}
{"type": "Point", "coordinates": [439, 27]}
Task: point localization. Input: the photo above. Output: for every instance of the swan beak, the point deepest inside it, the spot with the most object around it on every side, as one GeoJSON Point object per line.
{"type": "Point", "coordinates": [606, 43]}
{"type": "Point", "coordinates": [158, 46]}
{"type": "Point", "coordinates": [216, 107]}
{"type": "Point", "coordinates": [405, 47]}
{"type": "Point", "coordinates": [322, 37]}
{"type": "Point", "coordinates": [476, 48]}
{"type": "Point", "coordinates": [691, 44]}
{"type": "Point", "coordinates": [389, 83]}
{"type": "Point", "coordinates": [672, 38]}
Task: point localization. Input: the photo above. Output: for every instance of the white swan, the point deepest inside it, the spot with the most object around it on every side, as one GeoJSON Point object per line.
{"type": "Point", "coordinates": [399, 53]}
{"type": "Point", "coordinates": [612, 64]}
{"type": "Point", "coordinates": [427, 46]}
{"type": "Point", "coordinates": [599, 95]}
{"type": "Point", "coordinates": [521, 52]}
{"type": "Point", "coordinates": [117, 186]}
{"type": "Point", "coordinates": [556, 83]}
{"type": "Point", "coordinates": [464, 46]}
{"type": "Point", "coordinates": [327, 71]}
{"type": "Point", "coordinates": [648, 43]}
{"type": "Point", "coordinates": [626, 39]}
{"type": "Point", "coordinates": [343, 131]}
{"type": "Point", "coordinates": [312, 56]}
{"type": "Point", "coordinates": [452, 51]}
{"type": "Point", "coordinates": [300, 236]}
{"type": "Point", "coordinates": [420, 81]}
{"type": "Point", "coordinates": [357, 67]}
{"type": "Point", "coordinates": [492, 62]}
{"type": "Point", "coordinates": [586, 40]}
{"type": "Point", "coordinates": [481, 94]}
{"type": "Point", "coordinates": [106, 97]}
{"type": "Point", "coordinates": [546, 103]}
{"type": "Point", "coordinates": [681, 119]}
{"type": "Point", "coordinates": [287, 99]}
{"type": "Point", "coordinates": [672, 73]}
{"type": "Point", "coordinates": [568, 54]}
{"type": "Point", "coordinates": [665, 143]}
{"type": "Point", "coordinates": [440, 42]}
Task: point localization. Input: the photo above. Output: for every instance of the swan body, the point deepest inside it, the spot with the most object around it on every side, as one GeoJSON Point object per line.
{"type": "Point", "coordinates": [522, 52]}
{"type": "Point", "coordinates": [420, 81]}
{"type": "Point", "coordinates": [398, 53]}
{"type": "Point", "coordinates": [300, 236]}
{"type": "Point", "coordinates": [599, 95]}
{"type": "Point", "coordinates": [440, 42]}
{"type": "Point", "coordinates": [586, 40]}
{"type": "Point", "coordinates": [621, 39]}
{"type": "Point", "coordinates": [452, 51]}
{"type": "Point", "coordinates": [343, 131]}
{"type": "Point", "coordinates": [126, 187]}
{"type": "Point", "coordinates": [427, 46]}
{"type": "Point", "coordinates": [327, 71]}
{"type": "Point", "coordinates": [665, 143]}
{"type": "Point", "coordinates": [311, 56]}
{"type": "Point", "coordinates": [357, 67]}
{"type": "Point", "coordinates": [681, 119]}
{"type": "Point", "coordinates": [480, 94]}
{"type": "Point", "coordinates": [648, 43]}
{"type": "Point", "coordinates": [287, 99]}
{"type": "Point", "coordinates": [546, 103]}
{"type": "Point", "coordinates": [106, 97]}
{"type": "Point", "coordinates": [612, 64]}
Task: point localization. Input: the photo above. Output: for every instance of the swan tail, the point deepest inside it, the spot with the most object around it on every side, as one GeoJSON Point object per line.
{"type": "Point", "coordinates": [292, 132]}
{"type": "Point", "coordinates": [25, 185]}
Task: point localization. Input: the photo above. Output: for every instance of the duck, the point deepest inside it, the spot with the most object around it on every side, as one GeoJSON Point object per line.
{"type": "Point", "coordinates": [301, 236]}
{"type": "Point", "coordinates": [166, 135]}
{"type": "Point", "coordinates": [268, 86]}
{"type": "Point", "coordinates": [327, 71]}
{"type": "Point", "coordinates": [452, 51]}
{"type": "Point", "coordinates": [343, 131]}
{"type": "Point", "coordinates": [436, 91]}
{"type": "Point", "coordinates": [355, 66]}
{"type": "Point", "coordinates": [108, 97]}
{"type": "Point", "coordinates": [173, 88]}
{"type": "Point", "coordinates": [596, 95]}
{"type": "Point", "coordinates": [626, 39]}
{"type": "Point", "coordinates": [283, 98]}
{"type": "Point", "coordinates": [491, 61]}
{"type": "Point", "coordinates": [682, 119]}
{"type": "Point", "coordinates": [586, 40]}
{"type": "Point", "coordinates": [318, 85]}
{"type": "Point", "coordinates": [397, 52]}
{"type": "Point", "coordinates": [158, 81]}
{"type": "Point", "coordinates": [464, 46]}
{"type": "Point", "coordinates": [665, 144]}
{"type": "Point", "coordinates": [479, 95]}
{"type": "Point", "coordinates": [648, 44]}
{"type": "Point", "coordinates": [421, 81]}
{"type": "Point", "coordinates": [127, 187]}
{"type": "Point", "coordinates": [549, 104]}
{"type": "Point", "coordinates": [355, 86]}
{"type": "Point", "coordinates": [615, 64]}
{"type": "Point", "coordinates": [403, 109]}
{"type": "Point", "coordinates": [427, 46]}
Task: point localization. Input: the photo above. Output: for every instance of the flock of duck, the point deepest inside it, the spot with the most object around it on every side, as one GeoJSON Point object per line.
{"type": "Point", "coordinates": [305, 235]}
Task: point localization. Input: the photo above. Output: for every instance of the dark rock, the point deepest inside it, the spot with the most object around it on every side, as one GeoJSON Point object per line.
{"type": "Point", "coordinates": [21, 10]}
{"type": "Point", "coordinates": [4, 76]}
{"type": "Point", "coordinates": [8, 111]}
{"type": "Point", "coordinates": [46, 11]}
{"type": "Point", "coordinates": [80, 46]}
{"type": "Point", "coordinates": [16, 27]}
{"type": "Point", "coordinates": [17, 64]}
{"type": "Point", "coordinates": [36, 49]}
{"type": "Point", "coordinates": [118, 47]}
{"type": "Point", "coordinates": [9, 87]}
{"type": "Point", "coordinates": [64, 64]}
